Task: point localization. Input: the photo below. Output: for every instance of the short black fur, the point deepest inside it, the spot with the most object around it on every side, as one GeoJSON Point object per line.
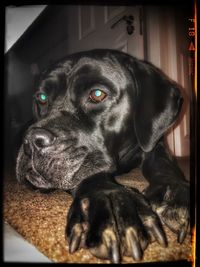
{"type": "Point", "coordinates": [80, 145]}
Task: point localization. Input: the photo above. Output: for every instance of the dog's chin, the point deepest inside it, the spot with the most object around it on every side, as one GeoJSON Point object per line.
{"type": "Point", "coordinates": [38, 172]}
{"type": "Point", "coordinates": [37, 181]}
{"type": "Point", "coordinates": [43, 182]}
{"type": "Point", "coordinates": [67, 183]}
{"type": "Point", "coordinates": [65, 179]}
{"type": "Point", "coordinates": [31, 186]}
{"type": "Point", "coordinates": [65, 173]}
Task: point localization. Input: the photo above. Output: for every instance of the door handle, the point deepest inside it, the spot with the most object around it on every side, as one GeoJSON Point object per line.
{"type": "Point", "coordinates": [129, 21]}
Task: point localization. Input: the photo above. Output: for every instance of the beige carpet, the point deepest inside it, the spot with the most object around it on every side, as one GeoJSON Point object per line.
{"type": "Point", "coordinates": [41, 218]}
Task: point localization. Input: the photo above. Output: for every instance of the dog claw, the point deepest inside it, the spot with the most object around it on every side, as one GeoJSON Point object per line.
{"type": "Point", "coordinates": [159, 235]}
{"type": "Point", "coordinates": [74, 244]}
{"type": "Point", "coordinates": [135, 246]}
{"type": "Point", "coordinates": [136, 251]}
{"type": "Point", "coordinates": [114, 252]}
{"type": "Point", "coordinates": [182, 234]}
{"type": "Point", "coordinates": [112, 245]}
{"type": "Point", "coordinates": [75, 238]}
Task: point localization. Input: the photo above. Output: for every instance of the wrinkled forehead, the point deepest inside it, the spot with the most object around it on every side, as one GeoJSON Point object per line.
{"type": "Point", "coordinates": [106, 68]}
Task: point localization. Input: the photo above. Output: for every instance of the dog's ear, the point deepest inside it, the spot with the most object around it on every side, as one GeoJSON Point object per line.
{"type": "Point", "coordinates": [157, 103]}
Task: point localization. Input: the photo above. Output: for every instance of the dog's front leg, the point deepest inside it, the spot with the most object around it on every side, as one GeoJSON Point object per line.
{"type": "Point", "coordinates": [111, 220]}
{"type": "Point", "coordinates": [168, 192]}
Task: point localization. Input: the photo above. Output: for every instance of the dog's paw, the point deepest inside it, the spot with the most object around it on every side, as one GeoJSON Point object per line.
{"type": "Point", "coordinates": [113, 223]}
{"type": "Point", "coordinates": [171, 202]}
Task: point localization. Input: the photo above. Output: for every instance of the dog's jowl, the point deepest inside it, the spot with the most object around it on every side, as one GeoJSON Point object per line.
{"type": "Point", "coordinates": [99, 114]}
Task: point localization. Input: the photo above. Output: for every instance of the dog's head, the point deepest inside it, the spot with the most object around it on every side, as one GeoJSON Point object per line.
{"type": "Point", "coordinates": [88, 108]}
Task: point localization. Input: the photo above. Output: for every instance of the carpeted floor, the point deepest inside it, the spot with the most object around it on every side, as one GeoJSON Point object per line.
{"type": "Point", "coordinates": [41, 218]}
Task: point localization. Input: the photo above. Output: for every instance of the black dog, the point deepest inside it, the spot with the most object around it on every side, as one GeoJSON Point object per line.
{"type": "Point", "coordinates": [99, 114]}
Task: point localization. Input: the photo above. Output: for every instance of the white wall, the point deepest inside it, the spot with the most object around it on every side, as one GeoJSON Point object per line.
{"type": "Point", "coordinates": [17, 20]}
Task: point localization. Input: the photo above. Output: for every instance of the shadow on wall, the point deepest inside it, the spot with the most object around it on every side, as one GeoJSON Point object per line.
{"type": "Point", "coordinates": [19, 88]}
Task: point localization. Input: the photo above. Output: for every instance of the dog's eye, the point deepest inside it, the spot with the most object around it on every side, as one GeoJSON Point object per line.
{"type": "Point", "coordinates": [97, 95]}
{"type": "Point", "coordinates": [41, 97]}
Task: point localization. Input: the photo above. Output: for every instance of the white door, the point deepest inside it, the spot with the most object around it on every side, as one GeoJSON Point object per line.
{"type": "Point", "coordinates": [90, 27]}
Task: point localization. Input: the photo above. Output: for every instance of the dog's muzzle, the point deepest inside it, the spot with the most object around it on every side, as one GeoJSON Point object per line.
{"type": "Point", "coordinates": [48, 161]}
{"type": "Point", "coordinates": [50, 158]}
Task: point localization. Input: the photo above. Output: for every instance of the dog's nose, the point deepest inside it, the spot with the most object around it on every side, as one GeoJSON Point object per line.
{"type": "Point", "coordinates": [39, 138]}
{"type": "Point", "coordinates": [42, 138]}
